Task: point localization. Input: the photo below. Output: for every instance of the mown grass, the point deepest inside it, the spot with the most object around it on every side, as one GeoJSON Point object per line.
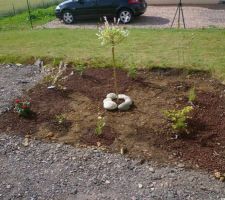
{"type": "Point", "coordinates": [21, 21]}
{"type": "Point", "coordinates": [11, 7]}
{"type": "Point", "coordinates": [191, 49]}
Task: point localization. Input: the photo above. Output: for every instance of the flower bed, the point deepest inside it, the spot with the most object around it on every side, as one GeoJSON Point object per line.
{"type": "Point", "coordinates": [144, 130]}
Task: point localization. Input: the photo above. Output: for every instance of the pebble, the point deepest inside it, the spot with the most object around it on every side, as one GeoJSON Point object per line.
{"type": "Point", "coordinates": [151, 169]}
{"type": "Point", "coordinates": [39, 63]}
{"type": "Point", "coordinates": [8, 186]}
{"type": "Point", "coordinates": [181, 165]}
{"type": "Point", "coordinates": [74, 191]}
{"type": "Point", "coordinates": [140, 185]}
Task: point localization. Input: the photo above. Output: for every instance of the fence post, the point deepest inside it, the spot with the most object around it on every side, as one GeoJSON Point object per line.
{"type": "Point", "coordinates": [14, 12]}
{"type": "Point", "coordinates": [28, 8]}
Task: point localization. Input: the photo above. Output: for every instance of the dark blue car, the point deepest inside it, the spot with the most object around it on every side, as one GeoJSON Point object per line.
{"type": "Point", "coordinates": [124, 10]}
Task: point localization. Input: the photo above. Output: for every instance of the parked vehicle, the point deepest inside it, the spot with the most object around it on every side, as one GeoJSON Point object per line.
{"type": "Point", "coordinates": [124, 10]}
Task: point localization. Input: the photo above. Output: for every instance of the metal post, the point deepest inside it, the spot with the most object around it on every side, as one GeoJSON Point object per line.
{"type": "Point", "coordinates": [14, 12]}
{"type": "Point", "coordinates": [29, 13]}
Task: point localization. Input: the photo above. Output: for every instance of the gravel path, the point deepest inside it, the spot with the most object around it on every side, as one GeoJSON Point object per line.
{"type": "Point", "coordinates": [162, 16]}
{"type": "Point", "coordinates": [54, 171]}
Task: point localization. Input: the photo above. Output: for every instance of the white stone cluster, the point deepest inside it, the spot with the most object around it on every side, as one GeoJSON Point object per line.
{"type": "Point", "coordinates": [109, 104]}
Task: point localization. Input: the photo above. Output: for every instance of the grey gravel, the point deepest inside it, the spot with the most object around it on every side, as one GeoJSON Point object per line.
{"type": "Point", "coordinates": [14, 80]}
{"type": "Point", "coordinates": [54, 171]}
{"type": "Point", "coordinates": [202, 16]}
{"type": "Point", "coordinates": [44, 171]}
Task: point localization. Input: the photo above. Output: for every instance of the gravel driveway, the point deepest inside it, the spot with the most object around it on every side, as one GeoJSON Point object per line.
{"type": "Point", "coordinates": [44, 171]}
{"type": "Point", "coordinates": [162, 16]}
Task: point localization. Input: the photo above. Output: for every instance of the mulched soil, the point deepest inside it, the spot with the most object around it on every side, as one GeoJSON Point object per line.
{"type": "Point", "coordinates": [143, 131]}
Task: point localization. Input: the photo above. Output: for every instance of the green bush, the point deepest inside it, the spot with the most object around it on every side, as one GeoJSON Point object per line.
{"type": "Point", "coordinates": [178, 119]}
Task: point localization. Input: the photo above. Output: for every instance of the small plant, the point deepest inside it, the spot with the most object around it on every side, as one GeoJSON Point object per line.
{"type": "Point", "coordinates": [191, 95]}
{"type": "Point", "coordinates": [60, 118]}
{"type": "Point", "coordinates": [80, 68]}
{"type": "Point", "coordinates": [178, 118]}
{"type": "Point", "coordinates": [57, 76]}
{"type": "Point", "coordinates": [112, 35]}
{"type": "Point", "coordinates": [22, 107]}
{"type": "Point", "coordinates": [132, 72]}
{"type": "Point", "coordinates": [100, 125]}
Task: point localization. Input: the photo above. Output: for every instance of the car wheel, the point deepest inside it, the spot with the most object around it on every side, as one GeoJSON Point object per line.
{"type": "Point", "coordinates": [68, 17]}
{"type": "Point", "coordinates": [125, 16]}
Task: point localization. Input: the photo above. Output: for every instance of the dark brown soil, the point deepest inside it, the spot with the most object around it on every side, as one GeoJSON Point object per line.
{"type": "Point", "coordinates": [143, 130]}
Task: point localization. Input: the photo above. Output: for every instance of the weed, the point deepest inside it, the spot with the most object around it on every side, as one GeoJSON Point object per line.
{"type": "Point", "coordinates": [192, 95]}
{"type": "Point", "coordinates": [132, 72]}
{"type": "Point", "coordinates": [60, 119]}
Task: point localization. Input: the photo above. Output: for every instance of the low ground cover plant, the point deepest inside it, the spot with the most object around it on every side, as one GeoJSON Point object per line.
{"type": "Point", "coordinates": [23, 107]}
{"type": "Point", "coordinates": [178, 119]}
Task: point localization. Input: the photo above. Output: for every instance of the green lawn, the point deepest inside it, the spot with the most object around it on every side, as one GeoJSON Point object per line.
{"type": "Point", "coordinates": [21, 21]}
{"type": "Point", "coordinates": [204, 49]}
{"type": "Point", "coordinates": [6, 6]}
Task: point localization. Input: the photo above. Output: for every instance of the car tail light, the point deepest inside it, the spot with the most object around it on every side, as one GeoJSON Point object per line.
{"type": "Point", "coordinates": [133, 1]}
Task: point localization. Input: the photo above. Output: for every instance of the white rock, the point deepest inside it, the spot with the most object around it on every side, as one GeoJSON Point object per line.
{"type": "Point", "coordinates": [107, 99]}
{"type": "Point", "coordinates": [111, 96]}
{"type": "Point", "coordinates": [109, 105]}
{"type": "Point", "coordinates": [140, 185]}
{"type": "Point", "coordinates": [122, 96]}
{"type": "Point", "coordinates": [126, 104]}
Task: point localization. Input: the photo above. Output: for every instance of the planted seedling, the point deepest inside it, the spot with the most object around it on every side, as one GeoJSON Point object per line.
{"type": "Point", "coordinates": [112, 35]}
{"type": "Point", "coordinates": [99, 126]}
{"type": "Point", "coordinates": [23, 107]}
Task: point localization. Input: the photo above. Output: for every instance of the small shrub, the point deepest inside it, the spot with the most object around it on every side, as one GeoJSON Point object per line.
{"type": "Point", "coordinates": [22, 107]}
{"type": "Point", "coordinates": [178, 118]}
{"type": "Point", "coordinates": [132, 72]}
{"type": "Point", "coordinates": [100, 125]}
{"type": "Point", "coordinates": [58, 75]}
{"type": "Point", "coordinates": [192, 95]}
